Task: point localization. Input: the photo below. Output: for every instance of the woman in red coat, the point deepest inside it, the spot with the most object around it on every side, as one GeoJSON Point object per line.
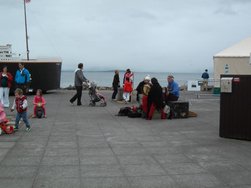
{"type": "Point", "coordinates": [5, 84]}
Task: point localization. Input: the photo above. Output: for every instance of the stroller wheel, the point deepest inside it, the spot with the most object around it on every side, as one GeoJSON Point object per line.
{"type": "Point", "coordinates": [92, 104]}
{"type": "Point", "coordinates": [103, 104]}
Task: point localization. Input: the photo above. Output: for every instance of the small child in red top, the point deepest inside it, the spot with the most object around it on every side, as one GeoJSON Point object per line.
{"type": "Point", "coordinates": [127, 90]}
{"type": "Point", "coordinates": [39, 103]}
{"type": "Point", "coordinates": [21, 104]}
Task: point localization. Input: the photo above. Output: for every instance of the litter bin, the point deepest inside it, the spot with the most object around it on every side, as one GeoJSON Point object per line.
{"type": "Point", "coordinates": [235, 105]}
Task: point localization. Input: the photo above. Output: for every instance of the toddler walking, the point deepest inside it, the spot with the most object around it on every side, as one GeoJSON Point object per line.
{"type": "Point", "coordinates": [21, 104]}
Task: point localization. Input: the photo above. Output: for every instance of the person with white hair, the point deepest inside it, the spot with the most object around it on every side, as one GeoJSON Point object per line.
{"type": "Point", "coordinates": [140, 88]}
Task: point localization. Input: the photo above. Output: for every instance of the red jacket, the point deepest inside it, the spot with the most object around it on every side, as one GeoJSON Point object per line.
{"type": "Point", "coordinates": [39, 99]}
{"type": "Point", "coordinates": [128, 87]}
{"type": "Point", "coordinates": [10, 79]}
{"type": "Point", "coordinates": [19, 101]}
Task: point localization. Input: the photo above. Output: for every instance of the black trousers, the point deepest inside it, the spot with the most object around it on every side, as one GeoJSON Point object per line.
{"type": "Point", "coordinates": [78, 95]}
{"type": "Point", "coordinates": [171, 97]}
{"type": "Point", "coordinates": [115, 91]}
{"type": "Point", "coordinates": [24, 87]}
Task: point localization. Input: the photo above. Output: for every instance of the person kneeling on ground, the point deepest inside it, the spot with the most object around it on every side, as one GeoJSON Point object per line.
{"type": "Point", "coordinates": [39, 105]}
{"type": "Point", "coordinates": [172, 90]}
{"type": "Point", "coordinates": [146, 89]}
{"type": "Point", "coordinates": [140, 87]}
{"type": "Point", "coordinates": [21, 104]}
{"type": "Point", "coordinates": [155, 99]}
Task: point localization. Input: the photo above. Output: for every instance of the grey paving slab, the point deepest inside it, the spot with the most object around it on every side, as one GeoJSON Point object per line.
{"type": "Point", "coordinates": [143, 170]}
{"type": "Point", "coordinates": [113, 182]}
{"type": "Point", "coordinates": [197, 181]}
{"type": "Point", "coordinates": [21, 160]}
{"type": "Point", "coordinates": [62, 144]}
{"type": "Point", "coordinates": [136, 159]}
{"type": "Point", "coordinates": [57, 183]}
{"type": "Point", "coordinates": [130, 150]}
{"type": "Point", "coordinates": [60, 160]}
{"type": "Point", "coordinates": [16, 182]}
{"type": "Point", "coordinates": [221, 166]}
{"type": "Point", "coordinates": [6, 144]}
{"type": "Point", "coordinates": [101, 171]}
{"type": "Point", "coordinates": [61, 151]}
{"type": "Point", "coordinates": [58, 171]}
{"type": "Point", "coordinates": [153, 182]}
{"type": "Point", "coordinates": [183, 168]}
{"type": "Point", "coordinates": [18, 171]}
{"type": "Point", "coordinates": [98, 160]}
{"type": "Point", "coordinates": [93, 143]}
{"type": "Point", "coordinates": [95, 151]}
{"type": "Point", "coordinates": [172, 158]}
{"type": "Point", "coordinates": [26, 152]}
{"type": "Point", "coordinates": [235, 178]}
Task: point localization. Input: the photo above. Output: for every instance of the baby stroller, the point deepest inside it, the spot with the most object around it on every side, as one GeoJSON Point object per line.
{"type": "Point", "coordinates": [95, 96]}
{"type": "Point", "coordinates": [4, 126]}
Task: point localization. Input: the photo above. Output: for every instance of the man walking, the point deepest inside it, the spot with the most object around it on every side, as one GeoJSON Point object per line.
{"type": "Point", "coordinates": [78, 82]}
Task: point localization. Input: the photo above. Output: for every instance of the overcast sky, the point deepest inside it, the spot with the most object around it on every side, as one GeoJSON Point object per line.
{"type": "Point", "coordinates": [144, 35]}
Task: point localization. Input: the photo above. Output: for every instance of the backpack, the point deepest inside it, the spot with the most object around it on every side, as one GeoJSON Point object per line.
{"type": "Point", "coordinates": [124, 111]}
{"type": "Point", "coordinates": [133, 114]}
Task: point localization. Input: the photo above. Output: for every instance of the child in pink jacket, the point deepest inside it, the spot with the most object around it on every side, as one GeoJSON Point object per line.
{"type": "Point", "coordinates": [39, 101]}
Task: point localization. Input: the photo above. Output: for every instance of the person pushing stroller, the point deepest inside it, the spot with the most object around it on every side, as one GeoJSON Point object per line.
{"type": "Point", "coordinates": [78, 82]}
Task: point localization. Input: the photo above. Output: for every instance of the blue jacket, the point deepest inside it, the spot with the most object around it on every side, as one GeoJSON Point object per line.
{"type": "Point", "coordinates": [173, 88]}
{"type": "Point", "coordinates": [22, 77]}
{"type": "Point", "coordinates": [205, 75]}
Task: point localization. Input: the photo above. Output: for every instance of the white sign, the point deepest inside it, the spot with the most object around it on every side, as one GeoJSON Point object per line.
{"type": "Point", "coordinates": [193, 85]}
{"type": "Point", "coordinates": [226, 85]}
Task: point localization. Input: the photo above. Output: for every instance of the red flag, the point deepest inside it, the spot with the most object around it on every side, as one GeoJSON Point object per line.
{"type": "Point", "coordinates": [27, 1]}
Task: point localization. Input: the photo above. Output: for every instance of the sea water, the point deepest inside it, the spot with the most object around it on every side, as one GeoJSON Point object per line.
{"type": "Point", "coordinates": [105, 78]}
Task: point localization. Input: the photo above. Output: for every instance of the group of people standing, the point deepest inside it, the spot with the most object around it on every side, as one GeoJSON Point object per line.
{"type": "Point", "coordinates": [22, 79]}
{"type": "Point", "coordinates": [127, 85]}
{"type": "Point", "coordinates": [21, 83]}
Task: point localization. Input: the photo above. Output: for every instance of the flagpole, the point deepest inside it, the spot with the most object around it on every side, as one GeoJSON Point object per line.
{"type": "Point", "coordinates": [26, 32]}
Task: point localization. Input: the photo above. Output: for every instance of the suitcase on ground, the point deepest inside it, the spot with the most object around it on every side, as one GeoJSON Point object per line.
{"type": "Point", "coordinates": [179, 109]}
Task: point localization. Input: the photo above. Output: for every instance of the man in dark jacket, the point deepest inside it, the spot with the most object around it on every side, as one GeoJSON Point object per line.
{"type": "Point", "coordinates": [78, 82]}
{"type": "Point", "coordinates": [205, 77]}
{"type": "Point", "coordinates": [115, 84]}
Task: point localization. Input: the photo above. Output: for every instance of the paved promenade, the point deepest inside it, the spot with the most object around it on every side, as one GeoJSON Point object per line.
{"type": "Point", "coordinates": [87, 147]}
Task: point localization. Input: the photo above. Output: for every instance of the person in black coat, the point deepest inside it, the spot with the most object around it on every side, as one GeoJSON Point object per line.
{"type": "Point", "coordinates": [115, 84]}
{"type": "Point", "coordinates": [155, 98]}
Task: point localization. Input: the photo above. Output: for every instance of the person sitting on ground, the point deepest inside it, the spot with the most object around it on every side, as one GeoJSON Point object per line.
{"type": "Point", "coordinates": [127, 90]}
{"type": "Point", "coordinates": [140, 87]}
{"type": "Point", "coordinates": [172, 91]}
{"type": "Point", "coordinates": [155, 98]}
{"type": "Point", "coordinates": [39, 103]}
